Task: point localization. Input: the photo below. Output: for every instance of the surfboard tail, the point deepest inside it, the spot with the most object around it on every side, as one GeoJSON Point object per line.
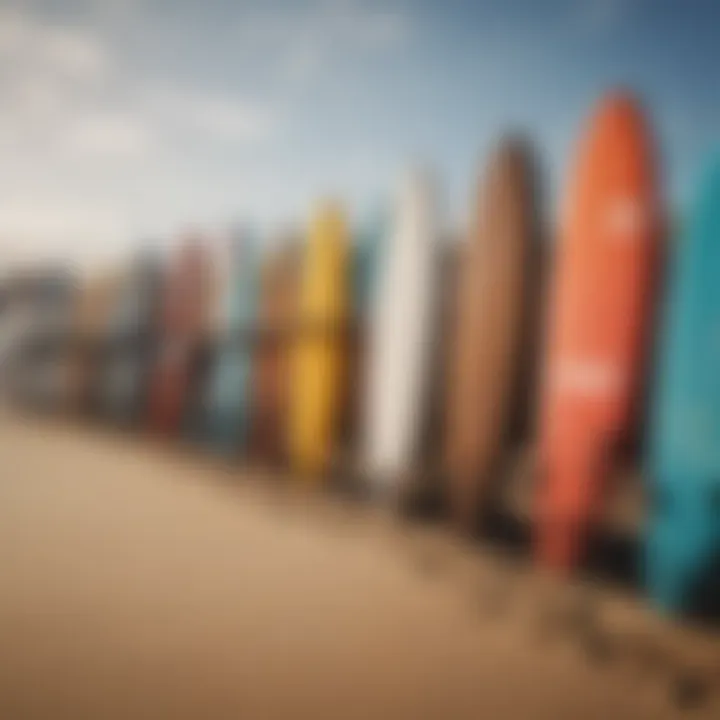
{"type": "Point", "coordinates": [663, 576]}
{"type": "Point", "coordinates": [464, 502]}
{"type": "Point", "coordinates": [567, 504]}
{"type": "Point", "coordinates": [560, 544]}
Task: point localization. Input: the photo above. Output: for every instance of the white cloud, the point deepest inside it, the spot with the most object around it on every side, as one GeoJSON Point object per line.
{"type": "Point", "coordinates": [110, 135]}
{"type": "Point", "coordinates": [49, 77]}
{"type": "Point", "coordinates": [214, 117]}
{"type": "Point", "coordinates": [39, 216]}
{"type": "Point", "coordinates": [78, 125]}
{"type": "Point", "coordinates": [230, 118]}
{"type": "Point", "coordinates": [32, 46]}
{"type": "Point", "coordinates": [57, 132]}
{"type": "Point", "coordinates": [77, 131]}
{"type": "Point", "coordinates": [313, 39]}
{"type": "Point", "coordinates": [60, 225]}
{"type": "Point", "coordinates": [76, 54]}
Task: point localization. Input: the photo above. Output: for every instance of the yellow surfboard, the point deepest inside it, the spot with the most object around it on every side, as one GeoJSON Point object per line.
{"type": "Point", "coordinates": [318, 354]}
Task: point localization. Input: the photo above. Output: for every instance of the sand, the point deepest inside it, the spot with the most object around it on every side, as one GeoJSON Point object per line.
{"type": "Point", "coordinates": [138, 582]}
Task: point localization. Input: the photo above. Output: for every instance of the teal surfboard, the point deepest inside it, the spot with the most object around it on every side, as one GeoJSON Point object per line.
{"type": "Point", "coordinates": [682, 551]}
{"type": "Point", "coordinates": [365, 261]}
{"type": "Point", "coordinates": [228, 404]}
{"type": "Point", "coordinates": [366, 258]}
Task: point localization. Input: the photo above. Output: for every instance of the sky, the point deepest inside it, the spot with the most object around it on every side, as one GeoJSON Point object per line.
{"type": "Point", "coordinates": [127, 120]}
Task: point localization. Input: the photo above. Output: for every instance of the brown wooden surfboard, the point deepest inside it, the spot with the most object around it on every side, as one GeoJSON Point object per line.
{"type": "Point", "coordinates": [270, 371]}
{"type": "Point", "coordinates": [496, 295]}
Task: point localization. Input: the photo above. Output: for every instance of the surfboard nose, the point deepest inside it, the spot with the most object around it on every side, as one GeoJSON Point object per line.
{"type": "Point", "coordinates": [618, 142]}
{"type": "Point", "coordinates": [618, 106]}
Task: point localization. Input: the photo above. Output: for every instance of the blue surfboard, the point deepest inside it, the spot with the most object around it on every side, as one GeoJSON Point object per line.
{"type": "Point", "coordinates": [228, 403]}
{"type": "Point", "coordinates": [683, 533]}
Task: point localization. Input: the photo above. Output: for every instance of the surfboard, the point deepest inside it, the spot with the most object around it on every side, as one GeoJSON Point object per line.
{"type": "Point", "coordinates": [133, 328]}
{"type": "Point", "coordinates": [271, 361]}
{"type": "Point", "coordinates": [46, 372]}
{"type": "Point", "coordinates": [15, 326]}
{"type": "Point", "coordinates": [319, 348]}
{"type": "Point", "coordinates": [599, 325]}
{"type": "Point", "coordinates": [229, 400]}
{"type": "Point", "coordinates": [682, 558]}
{"type": "Point", "coordinates": [183, 318]}
{"type": "Point", "coordinates": [365, 260]}
{"type": "Point", "coordinates": [89, 352]}
{"type": "Point", "coordinates": [196, 415]}
{"type": "Point", "coordinates": [497, 291]}
{"type": "Point", "coordinates": [401, 338]}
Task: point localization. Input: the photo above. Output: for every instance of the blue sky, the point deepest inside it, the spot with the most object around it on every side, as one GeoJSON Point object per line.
{"type": "Point", "coordinates": [125, 119]}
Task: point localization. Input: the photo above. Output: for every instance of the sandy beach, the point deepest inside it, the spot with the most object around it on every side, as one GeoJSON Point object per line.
{"type": "Point", "coordinates": [140, 582]}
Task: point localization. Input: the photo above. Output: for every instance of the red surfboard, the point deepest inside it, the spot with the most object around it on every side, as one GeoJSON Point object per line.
{"type": "Point", "coordinates": [600, 317]}
{"type": "Point", "coordinates": [185, 305]}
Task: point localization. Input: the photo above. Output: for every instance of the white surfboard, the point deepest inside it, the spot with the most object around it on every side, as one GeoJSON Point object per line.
{"type": "Point", "coordinates": [401, 337]}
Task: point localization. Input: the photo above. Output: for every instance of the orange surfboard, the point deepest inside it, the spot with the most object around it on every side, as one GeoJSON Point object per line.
{"type": "Point", "coordinates": [600, 317]}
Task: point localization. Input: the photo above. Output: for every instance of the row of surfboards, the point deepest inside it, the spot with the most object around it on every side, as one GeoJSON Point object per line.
{"type": "Point", "coordinates": [382, 350]}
